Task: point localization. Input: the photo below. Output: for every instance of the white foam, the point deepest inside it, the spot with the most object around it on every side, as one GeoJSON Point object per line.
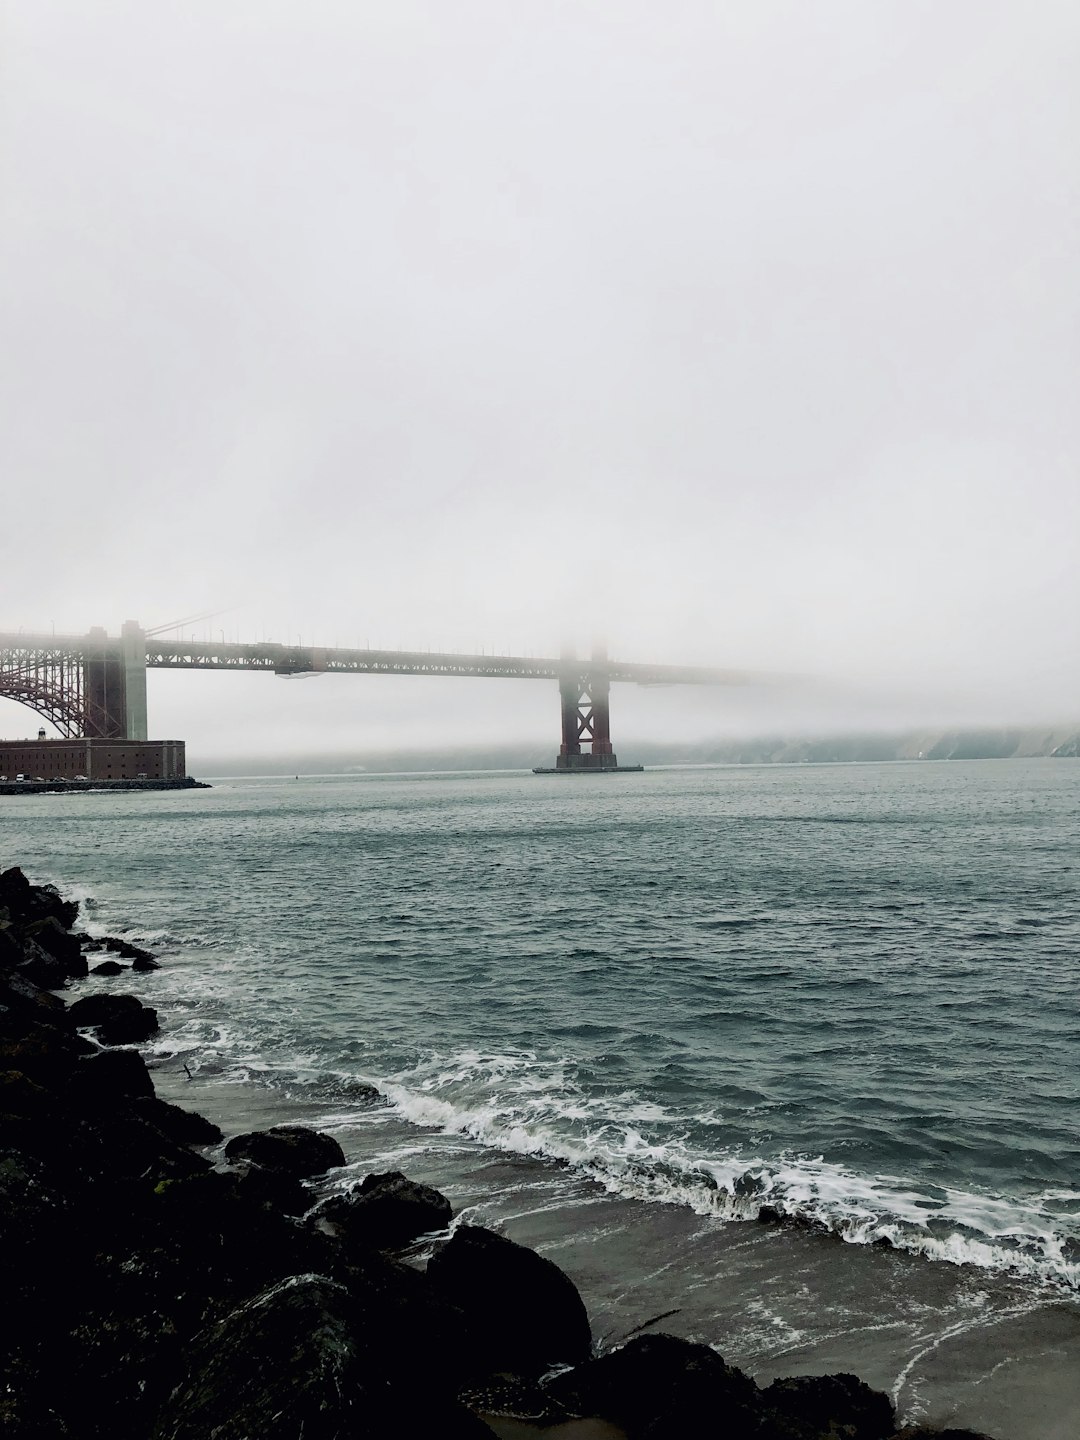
{"type": "Point", "coordinates": [517, 1104]}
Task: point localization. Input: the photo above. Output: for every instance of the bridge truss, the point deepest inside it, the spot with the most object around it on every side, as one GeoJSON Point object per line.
{"type": "Point", "coordinates": [52, 679]}
{"type": "Point", "coordinates": [90, 685]}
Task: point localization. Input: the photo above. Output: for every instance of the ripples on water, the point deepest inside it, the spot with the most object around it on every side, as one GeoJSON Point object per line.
{"type": "Point", "coordinates": [848, 992]}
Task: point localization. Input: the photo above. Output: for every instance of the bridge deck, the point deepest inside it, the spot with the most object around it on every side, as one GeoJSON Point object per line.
{"type": "Point", "coordinates": [313, 660]}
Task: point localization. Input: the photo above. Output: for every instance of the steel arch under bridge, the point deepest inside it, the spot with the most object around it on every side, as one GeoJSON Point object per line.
{"type": "Point", "coordinates": [94, 685]}
{"type": "Point", "coordinates": [78, 683]}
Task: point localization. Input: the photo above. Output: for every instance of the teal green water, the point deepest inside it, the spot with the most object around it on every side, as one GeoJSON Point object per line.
{"type": "Point", "coordinates": [850, 992]}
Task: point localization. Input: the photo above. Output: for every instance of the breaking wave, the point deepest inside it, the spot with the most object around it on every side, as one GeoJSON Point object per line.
{"type": "Point", "coordinates": [638, 1150]}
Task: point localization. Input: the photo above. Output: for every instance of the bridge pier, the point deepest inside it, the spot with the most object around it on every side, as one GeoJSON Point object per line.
{"type": "Point", "coordinates": [103, 688]}
{"type": "Point", "coordinates": [133, 658]}
{"type": "Point", "coordinates": [584, 695]}
{"type": "Point", "coordinates": [114, 684]}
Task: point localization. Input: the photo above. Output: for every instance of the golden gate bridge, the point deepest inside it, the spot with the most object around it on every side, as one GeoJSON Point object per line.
{"type": "Point", "coordinates": [94, 685]}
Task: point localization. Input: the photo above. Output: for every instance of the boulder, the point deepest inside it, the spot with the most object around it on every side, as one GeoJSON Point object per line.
{"type": "Point", "coordinates": [299, 1360]}
{"type": "Point", "coordinates": [26, 1416]}
{"type": "Point", "coordinates": [294, 1149]}
{"type": "Point", "coordinates": [25, 902]}
{"type": "Point", "coordinates": [112, 1075]}
{"type": "Point", "coordinates": [235, 1237]}
{"type": "Point", "coordinates": [284, 1364]}
{"type": "Point", "coordinates": [107, 967]}
{"type": "Point", "coordinates": [119, 1019]}
{"type": "Point", "coordinates": [11, 950]}
{"type": "Point", "coordinates": [97, 1009]}
{"type": "Point", "coordinates": [130, 1029]}
{"type": "Point", "coordinates": [924, 1432]}
{"type": "Point", "coordinates": [19, 1095]}
{"type": "Point", "coordinates": [42, 969]}
{"type": "Point", "coordinates": [833, 1404]}
{"type": "Point", "coordinates": [385, 1212]}
{"type": "Point", "coordinates": [655, 1384]}
{"type": "Point", "coordinates": [145, 961]}
{"type": "Point", "coordinates": [46, 1053]}
{"type": "Point", "coordinates": [524, 1313]}
{"type": "Point", "coordinates": [273, 1188]}
{"type": "Point", "coordinates": [19, 992]}
{"type": "Point", "coordinates": [59, 943]}
{"type": "Point", "coordinates": [184, 1126]}
{"type": "Point", "coordinates": [127, 1146]}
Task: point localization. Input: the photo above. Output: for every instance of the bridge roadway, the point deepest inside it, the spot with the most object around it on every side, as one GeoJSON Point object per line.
{"type": "Point", "coordinates": [314, 660]}
{"type": "Point", "coordinates": [95, 684]}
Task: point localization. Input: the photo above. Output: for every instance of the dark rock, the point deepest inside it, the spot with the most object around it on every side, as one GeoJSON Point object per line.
{"type": "Point", "coordinates": [654, 1382]}
{"type": "Point", "coordinates": [925, 1432]}
{"type": "Point", "coordinates": [59, 943]}
{"type": "Point", "coordinates": [130, 1029]}
{"type": "Point", "coordinates": [11, 950]}
{"type": "Point", "coordinates": [120, 1019]}
{"type": "Point", "coordinates": [130, 1146]}
{"type": "Point", "coordinates": [44, 1052]}
{"type": "Point", "coordinates": [292, 1148]}
{"type": "Point", "coordinates": [21, 992]}
{"type": "Point", "coordinates": [273, 1188]}
{"type": "Point", "coordinates": [145, 961]}
{"type": "Point", "coordinates": [183, 1126]}
{"type": "Point", "coordinates": [833, 1404]}
{"type": "Point", "coordinates": [402, 1315]}
{"type": "Point", "coordinates": [25, 902]}
{"type": "Point", "coordinates": [112, 1075]}
{"type": "Point", "coordinates": [230, 1232]}
{"type": "Point", "coordinates": [301, 1360]}
{"type": "Point", "coordinates": [96, 1009]}
{"type": "Point", "coordinates": [512, 1397]}
{"type": "Point", "coordinates": [107, 967]}
{"type": "Point", "coordinates": [284, 1364]}
{"type": "Point", "coordinates": [19, 1095]}
{"type": "Point", "coordinates": [123, 1357]}
{"type": "Point", "coordinates": [41, 968]}
{"type": "Point", "coordinates": [26, 1416]}
{"type": "Point", "coordinates": [524, 1313]}
{"type": "Point", "coordinates": [385, 1212]}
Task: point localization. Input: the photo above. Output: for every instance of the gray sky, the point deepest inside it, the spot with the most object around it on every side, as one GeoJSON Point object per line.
{"type": "Point", "coordinates": [742, 333]}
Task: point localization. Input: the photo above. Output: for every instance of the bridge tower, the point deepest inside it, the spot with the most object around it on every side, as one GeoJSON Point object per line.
{"type": "Point", "coordinates": [584, 691]}
{"type": "Point", "coordinates": [114, 684]}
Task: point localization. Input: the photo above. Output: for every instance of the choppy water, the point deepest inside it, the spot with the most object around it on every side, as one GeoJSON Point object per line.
{"type": "Point", "coordinates": [847, 992]}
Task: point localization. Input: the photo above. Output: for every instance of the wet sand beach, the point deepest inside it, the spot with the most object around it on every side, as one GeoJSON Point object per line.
{"type": "Point", "coordinates": [950, 1344]}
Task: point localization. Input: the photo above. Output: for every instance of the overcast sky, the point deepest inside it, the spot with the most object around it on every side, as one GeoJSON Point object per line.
{"type": "Point", "coordinates": [739, 331]}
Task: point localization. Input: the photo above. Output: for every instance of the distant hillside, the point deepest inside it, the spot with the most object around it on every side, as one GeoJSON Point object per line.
{"type": "Point", "coordinates": [1061, 741]}
{"type": "Point", "coordinates": [920, 745]}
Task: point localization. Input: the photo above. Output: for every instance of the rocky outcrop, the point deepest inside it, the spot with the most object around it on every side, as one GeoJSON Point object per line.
{"type": "Point", "coordinates": [832, 1404]}
{"type": "Point", "coordinates": [385, 1212]}
{"type": "Point", "coordinates": [118, 1019]}
{"type": "Point", "coordinates": [292, 1149]}
{"type": "Point", "coordinates": [525, 1315]}
{"type": "Point", "coordinates": [656, 1384]}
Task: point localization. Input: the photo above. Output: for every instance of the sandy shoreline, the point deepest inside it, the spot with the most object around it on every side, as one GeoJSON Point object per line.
{"type": "Point", "coordinates": [950, 1344]}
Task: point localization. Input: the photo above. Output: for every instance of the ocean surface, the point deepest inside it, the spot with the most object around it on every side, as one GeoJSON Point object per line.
{"type": "Point", "coordinates": [647, 1006]}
